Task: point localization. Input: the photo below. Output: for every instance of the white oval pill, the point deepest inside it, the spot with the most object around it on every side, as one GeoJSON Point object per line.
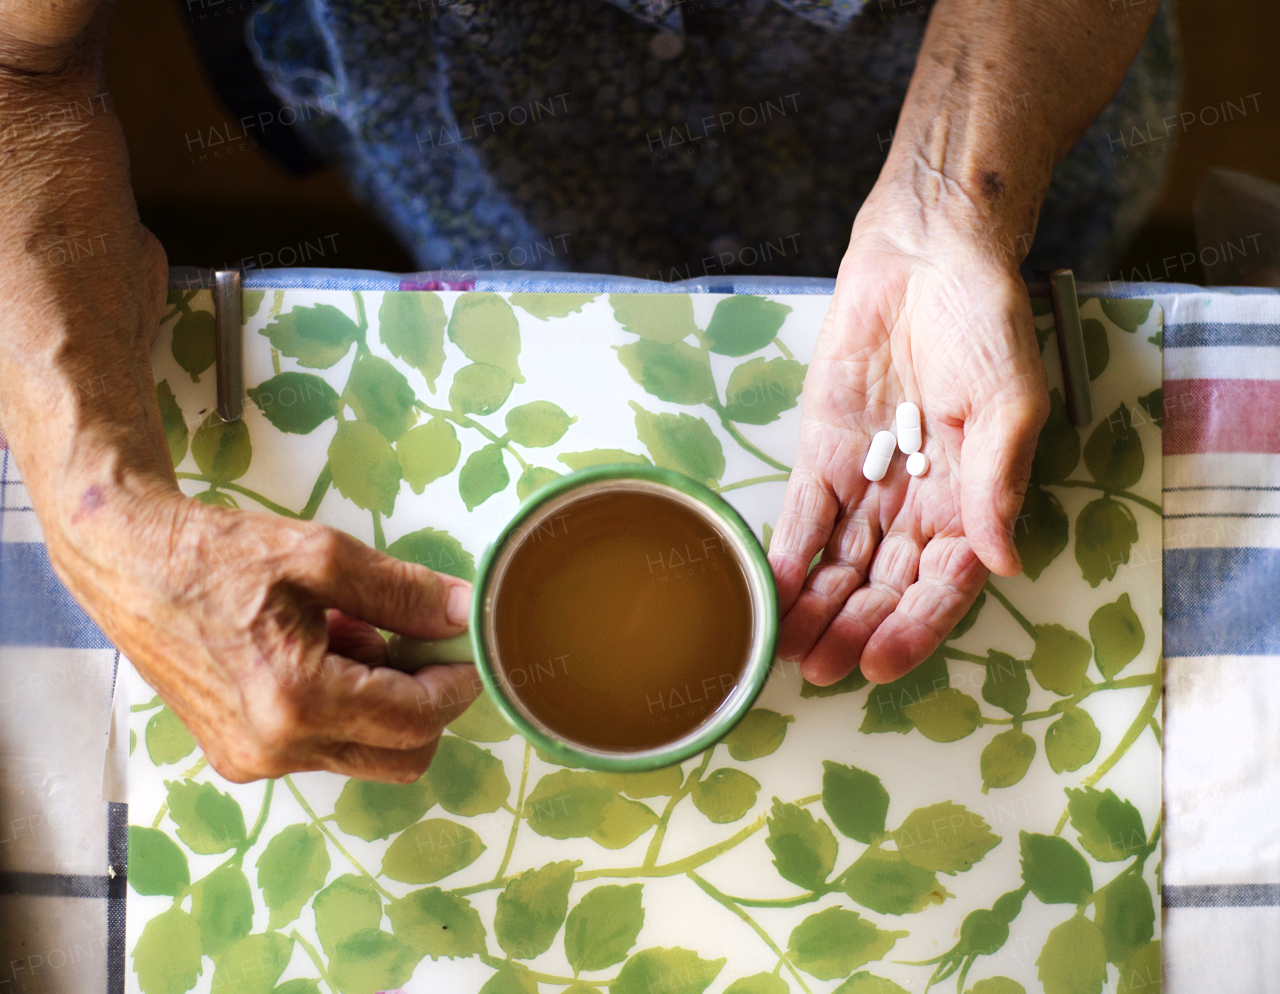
{"type": "Point", "coordinates": [877, 461]}
{"type": "Point", "coordinates": [917, 464]}
{"type": "Point", "coordinates": [908, 423]}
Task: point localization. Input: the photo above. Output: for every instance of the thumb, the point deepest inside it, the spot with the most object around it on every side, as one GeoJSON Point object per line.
{"type": "Point", "coordinates": [995, 465]}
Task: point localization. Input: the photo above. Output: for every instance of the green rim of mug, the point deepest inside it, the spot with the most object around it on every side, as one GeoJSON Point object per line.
{"type": "Point", "coordinates": [757, 669]}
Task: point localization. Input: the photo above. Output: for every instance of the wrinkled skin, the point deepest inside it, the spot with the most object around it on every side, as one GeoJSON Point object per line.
{"type": "Point", "coordinates": [950, 329]}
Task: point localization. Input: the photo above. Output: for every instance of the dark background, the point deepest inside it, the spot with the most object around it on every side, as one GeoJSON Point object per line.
{"type": "Point", "coordinates": [246, 204]}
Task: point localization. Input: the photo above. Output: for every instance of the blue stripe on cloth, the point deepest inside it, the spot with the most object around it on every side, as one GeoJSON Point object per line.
{"type": "Point", "coordinates": [1199, 335]}
{"type": "Point", "coordinates": [35, 608]}
{"type": "Point", "coordinates": [1221, 601]}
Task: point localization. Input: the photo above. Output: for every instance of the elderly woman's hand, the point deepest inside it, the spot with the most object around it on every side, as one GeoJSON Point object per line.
{"type": "Point", "coordinates": [940, 317]}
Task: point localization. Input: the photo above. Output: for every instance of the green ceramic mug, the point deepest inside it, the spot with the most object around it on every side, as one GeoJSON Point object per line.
{"type": "Point", "coordinates": [554, 499]}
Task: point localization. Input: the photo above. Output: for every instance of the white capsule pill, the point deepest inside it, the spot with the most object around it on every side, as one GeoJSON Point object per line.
{"type": "Point", "coordinates": [877, 462]}
{"type": "Point", "coordinates": [917, 464]}
{"type": "Point", "coordinates": [908, 423]}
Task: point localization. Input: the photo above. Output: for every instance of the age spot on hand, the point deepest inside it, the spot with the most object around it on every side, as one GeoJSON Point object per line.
{"type": "Point", "coordinates": [992, 184]}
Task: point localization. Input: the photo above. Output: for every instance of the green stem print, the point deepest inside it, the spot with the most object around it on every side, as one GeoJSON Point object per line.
{"type": "Point", "coordinates": [314, 955]}
{"type": "Point", "coordinates": [315, 820]}
{"type": "Point", "coordinates": [1017, 615]}
{"type": "Point", "coordinates": [772, 478]}
{"type": "Point", "coordinates": [742, 440]}
{"type": "Point", "coordinates": [269, 504]}
{"type": "Point", "coordinates": [1150, 505]}
{"type": "Point", "coordinates": [732, 905]}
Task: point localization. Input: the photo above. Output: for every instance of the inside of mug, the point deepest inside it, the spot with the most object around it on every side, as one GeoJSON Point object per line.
{"type": "Point", "coordinates": [628, 684]}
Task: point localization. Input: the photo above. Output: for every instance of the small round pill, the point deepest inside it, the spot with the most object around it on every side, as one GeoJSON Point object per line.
{"type": "Point", "coordinates": [917, 464]}
{"type": "Point", "coordinates": [877, 461]}
{"type": "Point", "coordinates": [908, 424]}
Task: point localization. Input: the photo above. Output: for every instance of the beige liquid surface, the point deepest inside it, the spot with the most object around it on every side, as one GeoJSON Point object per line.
{"type": "Point", "coordinates": [623, 621]}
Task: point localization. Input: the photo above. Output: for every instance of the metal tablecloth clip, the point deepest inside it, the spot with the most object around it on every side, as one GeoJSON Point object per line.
{"type": "Point", "coordinates": [229, 343]}
{"type": "Point", "coordinates": [1060, 287]}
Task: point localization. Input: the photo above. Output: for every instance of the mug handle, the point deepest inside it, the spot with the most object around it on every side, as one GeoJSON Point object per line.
{"type": "Point", "coordinates": [410, 654]}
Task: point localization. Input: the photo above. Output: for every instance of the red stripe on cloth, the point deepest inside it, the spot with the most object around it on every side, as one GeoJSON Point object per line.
{"type": "Point", "coordinates": [3, 443]}
{"type": "Point", "coordinates": [1221, 416]}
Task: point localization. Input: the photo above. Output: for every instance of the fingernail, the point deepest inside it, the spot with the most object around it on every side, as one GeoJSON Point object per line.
{"type": "Point", "coordinates": [458, 606]}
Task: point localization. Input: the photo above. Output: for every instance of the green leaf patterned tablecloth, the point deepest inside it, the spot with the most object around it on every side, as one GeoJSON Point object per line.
{"type": "Point", "coordinates": [990, 821]}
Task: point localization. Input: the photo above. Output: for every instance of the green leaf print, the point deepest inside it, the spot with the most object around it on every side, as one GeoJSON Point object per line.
{"type": "Point", "coordinates": [431, 850]}
{"type": "Point", "coordinates": [1074, 958]}
{"type": "Point", "coordinates": [156, 864]}
{"type": "Point", "coordinates": [1060, 659]}
{"type": "Point", "coordinates": [665, 969]}
{"type": "Point", "coordinates": [222, 449]}
{"type": "Point", "coordinates": [1040, 532]}
{"type": "Point", "coordinates": [532, 478]}
{"type": "Point", "coordinates": [370, 960]}
{"type": "Point", "coordinates": [676, 372]}
{"type": "Point", "coordinates": [655, 317]}
{"type": "Point", "coordinates": [532, 907]}
{"type": "Point", "coordinates": [483, 475]}
{"type": "Point", "coordinates": [654, 783]}
{"type": "Point", "coordinates": [681, 442]}
{"type": "Point", "coordinates": [1125, 915]}
{"type": "Point", "coordinates": [855, 801]}
{"type": "Point", "coordinates": [882, 880]}
{"type": "Point", "coordinates": [945, 838]}
{"type": "Point", "coordinates": [194, 342]}
{"type": "Point", "coordinates": [253, 965]}
{"type": "Point", "coordinates": [600, 457]}
{"type": "Point", "coordinates": [945, 715]}
{"type": "Point", "coordinates": [167, 738]}
{"type": "Point", "coordinates": [997, 985]}
{"type": "Point", "coordinates": [1113, 454]}
{"type": "Point", "coordinates": [172, 421]}
{"type": "Point", "coordinates": [1058, 447]}
{"type": "Point", "coordinates": [761, 983]}
{"type": "Point", "coordinates": [411, 326]}
{"type": "Point", "coordinates": [803, 847]}
{"type": "Point", "coordinates": [364, 466]}
{"type": "Point", "coordinates": [466, 779]}
{"type": "Point", "coordinates": [1127, 314]}
{"type": "Point", "coordinates": [863, 982]}
{"type": "Point", "coordinates": [835, 942]}
{"type": "Point", "coordinates": [1117, 636]}
{"type": "Point", "coordinates": [427, 453]}
{"type": "Point", "coordinates": [209, 821]}
{"type": "Point", "coordinates": [437, 923]}
{"type": "Point", "coordinates": [759, 733]}
{"type": "Point", "coordinates": [370, 810]}
{"type": "Point", "coordinates": [537, 424]}
{"type": "Point", "coordinates": [1110, 829]}
{"type": "Point", "coordinates": [886, 703]}
{"type": "Point", "coordinates": [485, 328]}
{"type": "Point", "coordinates": [1153, 404]}
{"type": "Point", "coordinates": [1071, 741]}
{"type": "Point", "coordinates": [297, 403]}
{"type": "Point", "coordinates": [290, 870]}
{"type": "Point", "coordinates": [250, 302]}
{"type": "Point", "coordinates": [603, 926]}
{"type": "Point", "coordinates": [222, 905]}
{"type": "Point", "coordinates": [316, 336]}
{"type": "Point", "coordinates": [970, 617]}
{"type": "Point", "coordinates": [1141, 973]}
{"type": "Point", "coordinates": [480, 389]}
{"type": "Point", "coordinates": [482, 722]}
{"type": "Point", "coordinates": [380, 394]}
{"type": "Point", "coordinates": [743, 324]}
{"type": "Point", "coordinates": [1006, 684]}
{"type": "Point", "coordinates": [725, 795]}
{"type": "Point", "coordinates": [568, 804]}
{"type": "Point", "coordinates": [167, 957]}
{"type": "Point", "coordinates": [1054, 869]}
{"type": "Point", "coordinates": [299, 985]}
{"type": "Point", "coordinates": [551, 305]}
{"type": "Point", "coordinates": [347, 905]}
{"type": "Point", "coordinates": [436, 550]}
{"type": "Point", "coordinates": [760, 390]}
{"type": "Point", "coordinates": [1096, 350]}
{"type": "Point", "coordinates": [1006, 759]}
{"type": "Point", "coordinates": [511, 978]}
{"type": "Point", "coordinates": [1105, 532]}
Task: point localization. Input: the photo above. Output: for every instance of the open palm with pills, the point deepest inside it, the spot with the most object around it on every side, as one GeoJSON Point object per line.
{"type": "Point", "coordinates": [903, 557]}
